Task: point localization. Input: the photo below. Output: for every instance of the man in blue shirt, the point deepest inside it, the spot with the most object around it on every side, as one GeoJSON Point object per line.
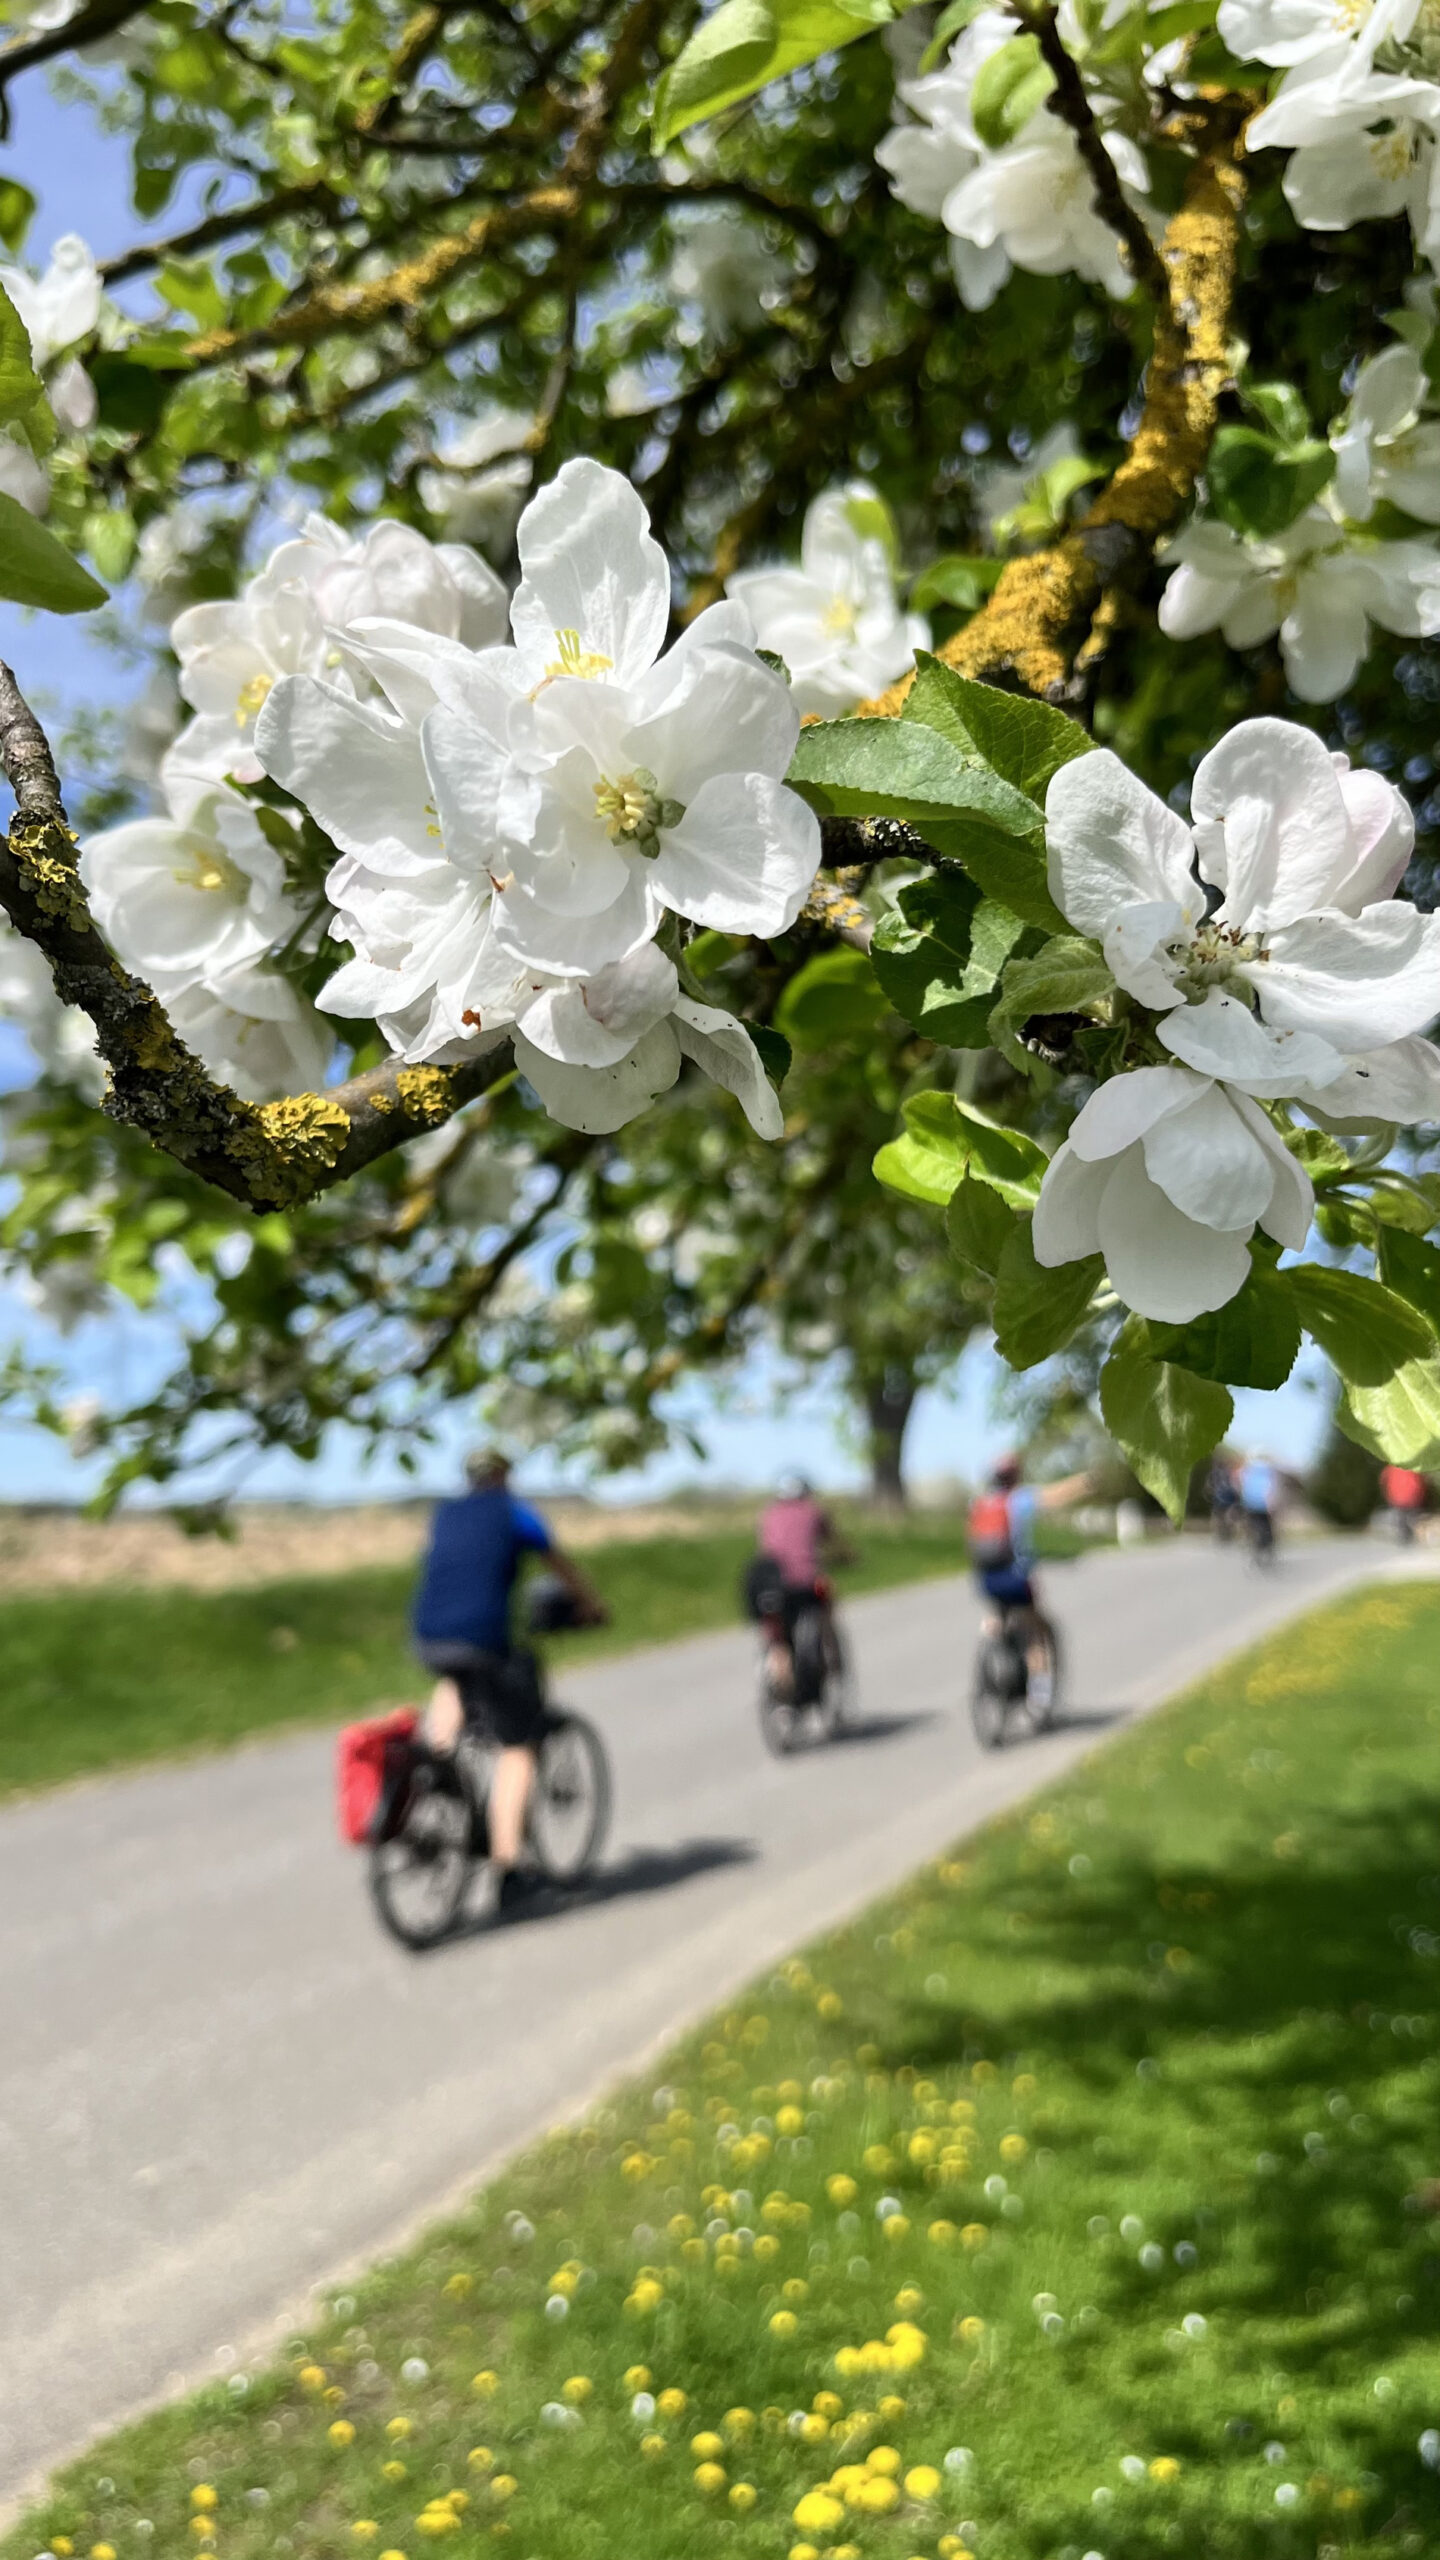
{"type": "Point", "coordinates": [462, 1633]}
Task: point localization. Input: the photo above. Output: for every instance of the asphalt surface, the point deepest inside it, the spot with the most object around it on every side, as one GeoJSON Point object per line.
{"type": "Point", "coordinates": [220, 2085]}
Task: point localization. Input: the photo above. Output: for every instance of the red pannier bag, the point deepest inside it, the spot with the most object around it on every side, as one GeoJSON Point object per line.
{"type": "Point", "coordinates": [367, 1757]}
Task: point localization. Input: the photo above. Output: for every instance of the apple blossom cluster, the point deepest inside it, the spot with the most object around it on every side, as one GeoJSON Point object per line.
{"type": "Point", "coordinates": [1029, 203]}
{"type": "Point", "coordinates": [834, 617]}
{"type": "Point", "coordinates": [521, 825]}
{"type": "Point", "coordinates": [1264, 942]}
{"type": "Point", "coordinates": [1357, 108]}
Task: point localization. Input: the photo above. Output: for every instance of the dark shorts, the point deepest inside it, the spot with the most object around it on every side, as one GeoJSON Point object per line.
{"type": "Point", "coordinates": [1007, 1586]}
{"type": "Point", "coordinates": [500, 1692]}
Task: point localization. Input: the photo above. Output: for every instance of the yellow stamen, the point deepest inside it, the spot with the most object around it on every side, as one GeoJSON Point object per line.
{"type": "Point", "coordinates": [575, 661]}
{"type": "Point", "coordinates": [250, 698]}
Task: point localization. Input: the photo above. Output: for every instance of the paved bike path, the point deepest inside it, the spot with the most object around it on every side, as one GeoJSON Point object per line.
{"type": "Point", "coordinates": [219, 2084]}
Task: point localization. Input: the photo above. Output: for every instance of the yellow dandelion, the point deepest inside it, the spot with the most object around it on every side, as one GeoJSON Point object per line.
{"type": "Point", "coordinates": [877, 2160]}
{"type": "Point", "coordinates": [311, 2377]}
{"type": "Point", "coordinates": [577, 2390]}
{"type": "Point", "coordinates": [794, 2289]}
{"type": "Point", "coordinates": [709, 2477]}
{"type": "Point", "coordinates": [877, 2496]}
{"type": "Point", "coordinates": [738, 2422]}
{"type": "Point", "coordinates": [645, 2295]}
{"type": "Point", "coordinates": [394, 2471]}
{"type": "Point", "coordinates": [884, 2460]}
{"type": "Point", "coordinates": [672, 2404]}
{"type": "Point", "coordinates": [503, 2486]}
{"type": "Point", "coordinates": [743, 2497]}
{"type": "Point", "coordinates": [457, 2286]}
{"type": "Point", "coordinates": [890, 2408]}
{"type": "Point", "coordinates": [204, 2496]}
{"type": "Point", "coordinates": [766, 2247]}
{"type": "Point", "coordinates": [944, 2234]}
{"type": "Point", "coordinates": [827, 2404]}
{"type": "Point", "coordinates": [971, 2329]}
{"type": "Point", "coordinates": [923, 2482]}
{"type": "Point", "coordinates": [340, 2432]}
{"type": "Point", "coordinates": [102, 2551]}
{"type": "Point", "coordinates": [803, 2551]}
{"type": "Point", "coordinates": [896, 2226]}
{"type": "Point", "coordinates": [396, 2428]}
{"type": "Point", "coordinates": [1165, 2468]}
{"type": "Point", "coordinates": [332, 2395]}
{"type": "Point", "coordinates": [974, 2235]}
{"type": "Point", "coordinates": [706, 2447]}
{"type": "Point", "coordinates": [366, 2530]}
{"type": "Point", "coordinates": [479, 2458]}
{"type": "Point", "coordinates": [485, 2384]}
{"type": "Point", "coordinates": [783, 2324]}
{"type": "Point", "coordinates": [637, 2377]}
{"type": "Point", "coordinates": [818, 2512]}
{"type": "Point", "coordinates": [841, 2190]}
{"type": "Point", "coordinates": [652, 2447]}
{"type": "Point", "coordinates": [1013, 2147]}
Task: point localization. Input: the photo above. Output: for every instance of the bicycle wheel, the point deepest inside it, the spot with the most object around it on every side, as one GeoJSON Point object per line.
{"type": "Point", "coordinates": [418, 1876]}
{"type": "Point", "coordinates": [570, 1806]}
{"type": "Point", "coordinates": [837, 1695]}
{"type": "Point", "coordinates": [780, 1719]}
{"type": "Point", "coordinates": [1037, 1715]}
{"type": "Point", "coordinates": [990, 1692]}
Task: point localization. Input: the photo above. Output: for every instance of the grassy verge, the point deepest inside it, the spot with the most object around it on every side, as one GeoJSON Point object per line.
{"type": "Point", "coordinates": [1072, 2202]}
{"type": "Point", "coordinates": [101, 1678]}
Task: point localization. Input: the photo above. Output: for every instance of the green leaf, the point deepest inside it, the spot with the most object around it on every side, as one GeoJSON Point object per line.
{"type": "Point", "coordinates": [188, 285]}
{"type": "Point", "coordinates": [928, 1160]}
{"type": "Point", "coordinates": [978, 1223]}
{"type": "Point", "coordinates": [952, 20]}
{"type": "Point", "coordinates": [1165, 1420]}
{"type": "Point", "coordinates": [1399, 1420]}
{"type": "Point", "coordinates": [1008, 87]}
{"type": "Point", "coordinates": [1412, 1269]}
{"type": "Point", "coordinates": [22, 393]}
{"type": "Point", "coordinates": [1280, 407]}
{"type": "Point", "coordinates": [921, 980]}
{"type": "Point", "coordinates": [1365, 1329]}
{"type": "Point", "coordinates": [1036, 1311]}
{"type": "Point", "coordinates": [1064, 977]}
{"type": "Point", "coordinates": [961, 579]}
{"type": "Point", "coordinates": [872, 520]}
{"type": "Point", "coordinates": [745, 44]}
{"type": "Point", "coordinates": [1259, 486]}
{"type": "Point", "coordinates": [1025, 742]}
{"type": "Point", "coordinates": [1250, 1342]}
{"type": "Point", "coordinates": [1005, 1158]}
{"type": "Point", "coordinates": [899, 769]}
{"type": "Point", "coordinates": [17, 205]}
{"type": "Point", "coordinates": [942, 903]}
{"type": "Point", "coordinates": [836, 996]}
{"type": "Point", "coordinates": [36, 569]}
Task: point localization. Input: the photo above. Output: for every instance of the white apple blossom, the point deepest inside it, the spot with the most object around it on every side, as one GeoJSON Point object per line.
{"type": "Point", "coordinates": [60, 307]}
{"type": "Point", "coordinates": [191, 898]}
{"type": "Point", "coordinates": [255, 1032]}
{"type": "Point", "coordinates": [1286, 32]}
{"type": "Point", "coordinates": [1361, 144]}
{"type": "Point", "coordinates": [1385, 448]}
{"type": "Point", "coordinates": [721, 263]}
{"type": "Point", "coordinates": [1319, 584]}
{"type": "Point", "coordinates": [506, 856]}
{"type": "Point", "coordinates": [22, 477]}
{"type": "Point", "coordinates": [835, 618]}
{"type": "Point", "coordinates": [292, 614]}
{"type": "Point", "coordinates": [61, 1036]}
{"type": "Point", "coordinates": [478, 484]}
{"type": "Point", "coordinates": [1029, 205]}
{"type": "Point", "coordinates": [1167, 1175]}
{"type": "Point", "coordinates": [1307, 960]}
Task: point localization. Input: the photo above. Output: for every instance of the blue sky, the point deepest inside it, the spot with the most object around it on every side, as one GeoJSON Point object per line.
{"type": "Point", "coordinates": [80, 177]}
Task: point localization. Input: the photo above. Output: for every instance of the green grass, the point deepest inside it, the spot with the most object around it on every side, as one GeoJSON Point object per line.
{"type": "Point", "coordinates": [1182, 2006]}
{"type": "Point", "coordinates": [102, 1678]}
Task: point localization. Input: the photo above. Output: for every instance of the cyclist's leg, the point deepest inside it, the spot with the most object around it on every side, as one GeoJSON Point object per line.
{"type": "Point", "coordinates": [510, 1789]}
{"type": "Point", "coordinates": [514, 1712]}
{"type": "Point", "coordinates": [444, 1719]}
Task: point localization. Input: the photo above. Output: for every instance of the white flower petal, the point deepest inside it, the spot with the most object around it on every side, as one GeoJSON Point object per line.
{"type": "Point", "coordinates": [1160, 1262]}
{"type": "Point", "coordinates": [1360, 981]}
{"type": "Point", "coordinates": [1066, 1224]}
{"type": "Point", "coordinates": [595, 1022]}
{"type": "Point", "coordinates": [1221, 1037]}
{"type": "Point", "coordinates": [599, 1099]}
{"type": "Point", "coordinates": [1134, 946]}
{"type": "Point", "coordinates": [1270, 824]}
{"type": "Point", "coordinates": [1399, 1083]}
{"type": "Point", "coordinates": [575, 946]}
{"type": "Point", "coordinates": [723, 1049]}
{"type": "Point", "coordinates": [742, 858]}
{"type": "Point", "coordinates": [591, 566]}
{"type": "Point", "coordinates": [1292, 1204]}
{"type": "Point", "coordinates": [357, 769]}
{"type": "Point", "coordinates": [1123, 1110]}
{"type": "Point", "coordinates": [1112, 844]}
{"type": "Point", "coordinates": [1206, 1161]}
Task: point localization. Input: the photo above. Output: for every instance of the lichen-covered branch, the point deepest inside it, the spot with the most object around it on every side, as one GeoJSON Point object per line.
{"type": "Point", "coordinates": [1049, 605]}
{"type": "Point", "coordinates": [268, 1155]}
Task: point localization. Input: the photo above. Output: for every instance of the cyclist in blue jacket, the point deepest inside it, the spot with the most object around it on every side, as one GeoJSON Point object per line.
{"type": "Point", "coordinates": [462, 1628]}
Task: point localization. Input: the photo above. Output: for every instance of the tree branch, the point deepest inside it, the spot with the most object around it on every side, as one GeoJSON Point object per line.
{"type": "Point", "coordinates": [267, 1155]}
{"type": "Point", "coordinates": [100, 18]}
{"type": "Point", "coordinates": [218, 226]}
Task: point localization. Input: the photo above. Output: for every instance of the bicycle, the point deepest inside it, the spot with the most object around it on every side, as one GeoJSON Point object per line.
{"type": "Point", "coordinates": [821, 1690]}
{"type": "Point", "coordinates": [1260, 1540]}
{"type": "Point", "coordinates": [432, 1829]}
{"type": "Point", "coordinates": [1000, 1693]}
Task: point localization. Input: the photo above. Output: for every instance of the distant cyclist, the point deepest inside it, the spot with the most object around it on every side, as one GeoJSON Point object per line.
{"type": "Point", "coordinates": [1001, 1531]}
{"type": "Point", "coordinates": [799, 1544]}
{"type": "Point", "coordinates": [1257, 1482]}
{"type": "Point", "coordinates": [1224, 1497]}
{"type": "Point", "coordinates": [1405, 1493]}
{"type": "Point", "coordinates": [463, 1634]}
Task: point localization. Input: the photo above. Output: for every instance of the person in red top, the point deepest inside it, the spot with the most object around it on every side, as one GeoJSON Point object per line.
{"type": "Point", "coordinates": [798, 1543]}
{"type": "Point", "coordinates": [1405, 1493]}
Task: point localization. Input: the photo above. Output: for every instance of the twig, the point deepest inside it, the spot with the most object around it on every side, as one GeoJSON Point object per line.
{"type": "Point", "coordinates": [1070, 101]}
{"type": "Point", "coordinates": [218, 226]}
{"type": "Point", "coordinates": [100, 18]}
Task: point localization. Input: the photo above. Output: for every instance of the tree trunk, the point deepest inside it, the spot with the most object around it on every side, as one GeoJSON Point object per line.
{"type": "Point", "coordinates": [888, 1401]}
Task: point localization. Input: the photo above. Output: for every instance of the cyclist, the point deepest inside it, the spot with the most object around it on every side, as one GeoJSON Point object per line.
{"type": "Point", "coordinates": [1404, 1492]}
{"type": "Point", "coordinates": [1258, 1485]}
{"type": "Point", "coordinates": [463, 1634]}
{"type": "Point", "coordinates": [1224, 1497]}
{"type": "Point", "coordinates": [1001, 1531]}
{"type": "Point", "coordinates": [799, 1543]}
